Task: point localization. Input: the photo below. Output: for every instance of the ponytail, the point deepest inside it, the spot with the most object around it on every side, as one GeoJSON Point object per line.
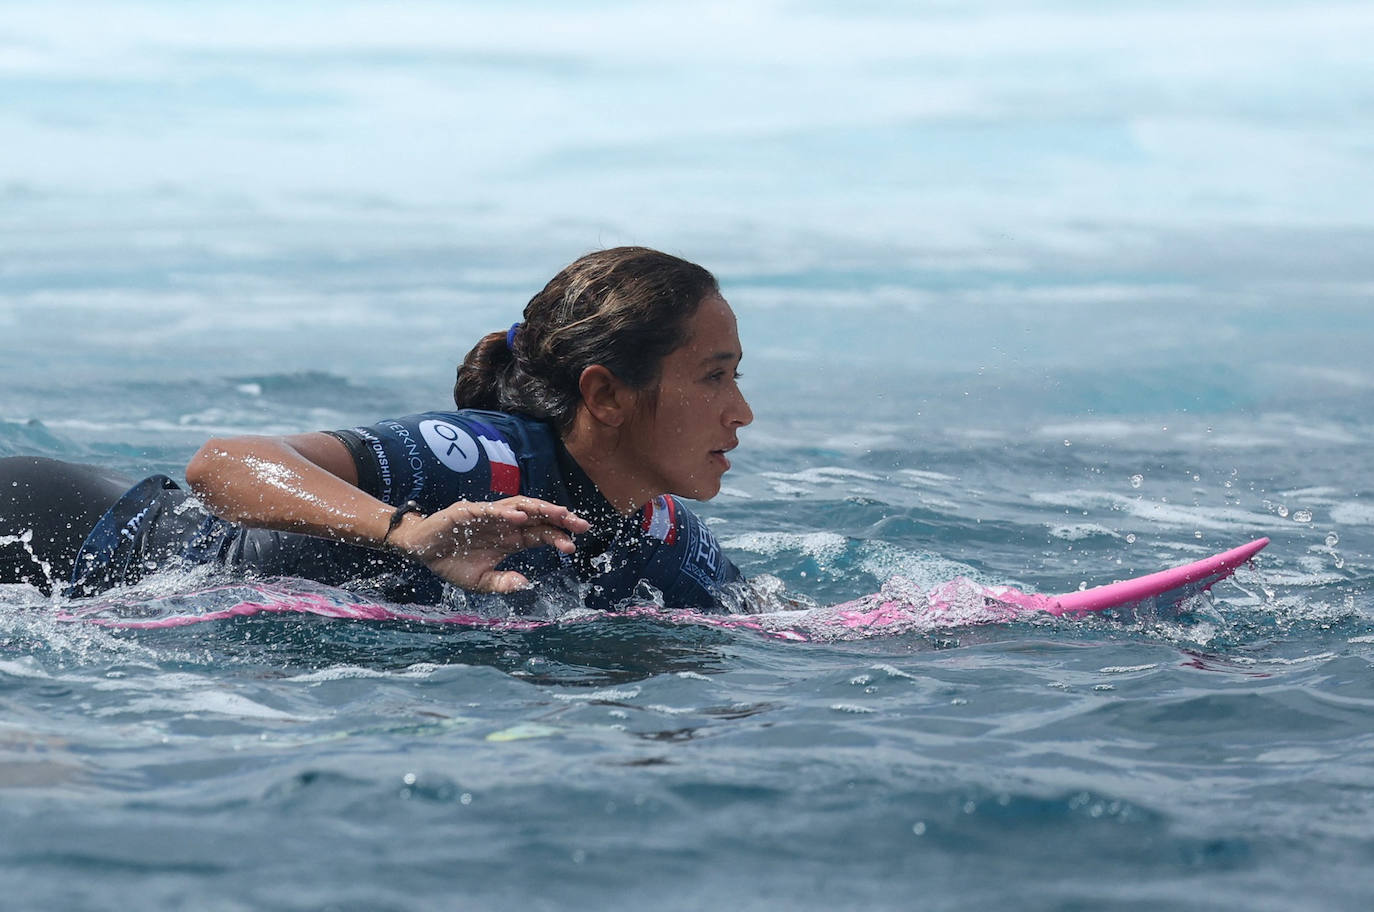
{"type": "Point", "coordinates": [481, 375]}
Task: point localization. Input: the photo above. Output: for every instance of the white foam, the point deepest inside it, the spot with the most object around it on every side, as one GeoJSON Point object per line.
{"type": "Point", "coordinates": [936, 479]}
{"type": "Point", "coordinates": [924, 570]}
{"type": "Point", "coordinates": [1315, 495]}
{"type": "Point", "coordinates": [347, 672]}
{"type": "Point", "coordinates": [670, 710]}
{"type": "Point", "coordinates": [206, 699]}
{"type": "Point", "coordinates": [1169, 514]}
{"type": "Point", "coordinates": [1081, 531]}
{"type": "Point", "coordinates": [819, 545]}
{"type": "Point", "coordinates": [1300, 660]}
{"type": "Point", "coordinates": [26, 667]}
{"type": "Point", "coordinates": [893, 671]}
{"type": "Point", "coordinates": [609, 695]}
{"type": "Point", "coordinates": [739, 493]}
{"type": "Point", "coordinates": [823, 475]}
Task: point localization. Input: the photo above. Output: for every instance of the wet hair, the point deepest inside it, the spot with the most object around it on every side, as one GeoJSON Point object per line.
{"type": "Point", "coordinates": [626, 309]}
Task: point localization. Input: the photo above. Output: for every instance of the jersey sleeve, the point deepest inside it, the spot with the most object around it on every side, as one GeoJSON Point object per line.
{"type": "Point", "coordinates": [434, 459]}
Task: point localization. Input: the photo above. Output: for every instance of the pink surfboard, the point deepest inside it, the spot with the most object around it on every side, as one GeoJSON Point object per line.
{"type": "Point", "coordinates": [899, 607]}
{"type": "Point", "coordinates": [1171, 586]}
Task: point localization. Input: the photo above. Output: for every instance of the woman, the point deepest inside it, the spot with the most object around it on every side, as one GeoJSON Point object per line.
{"type": "Point", "coordinates": [555, 474]}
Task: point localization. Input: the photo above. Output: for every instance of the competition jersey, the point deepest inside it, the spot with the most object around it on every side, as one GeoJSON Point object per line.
{"type": "Point", "coordinates": [435, 459]}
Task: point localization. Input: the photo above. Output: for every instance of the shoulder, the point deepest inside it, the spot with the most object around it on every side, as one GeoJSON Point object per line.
{"type": "Point", "coordinates": [440, 456]}
{"type": "Point", "coordinates": [668, 519]}
{"type": "Point", "coordinates": [460, 439]}
{"type": "Point", "coordinates": [685, 541]}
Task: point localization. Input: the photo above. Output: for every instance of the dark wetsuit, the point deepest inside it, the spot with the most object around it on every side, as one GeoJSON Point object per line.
{"type": "Point", "coordinates": [435, 459]}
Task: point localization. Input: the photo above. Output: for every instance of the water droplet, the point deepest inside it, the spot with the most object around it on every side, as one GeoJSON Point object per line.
{"type": "Point", "coordinates": [1340, 562]}
{"type": "Point", "coordinates": [919, 828]}
{"type": "Point", "coordinates": [1197, 478]}
{"type": "Point", "coordinates": [408, 778]}
{"type": "Point", "coordinates": [1197, 534]}
{"type": "Point", "coordinates": [1068, 443]}
{"type": "Point", "coordinates": [1137, 480]}
{"type": "Point", "coordinates": [1130, 538]}
{"type": "Point", "coordinates": [1283, 511]}
{"type": "Point", "coordinates": [1332, 539]}
{"type": "Point", "coordinates": [1302, 516]}
{"type": "Point", "coordinates": [465, 798]}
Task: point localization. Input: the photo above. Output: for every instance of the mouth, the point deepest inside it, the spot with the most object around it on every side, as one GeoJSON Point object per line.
{"type": "Point", "coordinates": [721, 457]}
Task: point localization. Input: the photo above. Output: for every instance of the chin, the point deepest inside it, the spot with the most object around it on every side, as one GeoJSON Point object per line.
{"type": "Point", "coordinates": [702, 491]}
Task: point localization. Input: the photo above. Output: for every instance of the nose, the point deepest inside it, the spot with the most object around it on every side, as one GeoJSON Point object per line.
{"type": "Point", "coordinates": [740, 414]}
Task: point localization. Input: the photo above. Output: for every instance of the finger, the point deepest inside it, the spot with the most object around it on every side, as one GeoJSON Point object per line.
{"type": "Point", "coordinates": [502, 581]}
{"type": "Point", "coordinates": [549, 512]}
{"type": "Point", "coordinates": [533, 536]}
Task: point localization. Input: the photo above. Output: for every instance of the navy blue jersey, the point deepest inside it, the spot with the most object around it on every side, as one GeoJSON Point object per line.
{"type": "Point", "coordinates": [435, 459]}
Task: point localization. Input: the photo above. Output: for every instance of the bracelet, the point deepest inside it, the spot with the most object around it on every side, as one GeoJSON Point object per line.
{"type": "Point", "coordinates": [409, 506]}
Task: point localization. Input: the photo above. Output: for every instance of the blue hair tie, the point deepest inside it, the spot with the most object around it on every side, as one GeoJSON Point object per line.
{"type": "Point", "coordinates": [510, 335]}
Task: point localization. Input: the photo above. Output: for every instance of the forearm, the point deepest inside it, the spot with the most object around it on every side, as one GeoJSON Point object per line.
{"type": "Point", "coordinates": [265, 482]}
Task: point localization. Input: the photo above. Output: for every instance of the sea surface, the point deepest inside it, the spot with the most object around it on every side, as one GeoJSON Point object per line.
{"type": "Point", "coordinates": [1036, 292]}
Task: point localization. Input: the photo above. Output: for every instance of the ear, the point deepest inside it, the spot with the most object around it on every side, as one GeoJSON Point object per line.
{"type": "Point", "coordinates": [605, 396]}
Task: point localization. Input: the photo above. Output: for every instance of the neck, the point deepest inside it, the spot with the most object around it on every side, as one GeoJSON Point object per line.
{"type": "Point", "coordinates": [597, 450]}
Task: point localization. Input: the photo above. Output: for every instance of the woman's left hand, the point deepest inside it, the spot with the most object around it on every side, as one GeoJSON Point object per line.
{"type": "Point", "coordinates": [464, 542]}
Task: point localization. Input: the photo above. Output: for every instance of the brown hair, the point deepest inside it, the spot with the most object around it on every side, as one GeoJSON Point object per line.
{"type": "Point", "coordinates": [625, 308]}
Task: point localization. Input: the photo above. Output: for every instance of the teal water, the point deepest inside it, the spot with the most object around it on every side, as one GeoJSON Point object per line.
{"type": "Point", "coordinates": [1037, 293]}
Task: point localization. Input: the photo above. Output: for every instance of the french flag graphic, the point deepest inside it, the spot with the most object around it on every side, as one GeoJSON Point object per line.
{"type": "Point", "coordinates": [660, 519]}
{"type": "Point", "coordinates": [505, 471]}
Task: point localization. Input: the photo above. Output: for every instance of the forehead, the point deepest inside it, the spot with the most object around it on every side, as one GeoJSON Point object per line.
{"type": "Point", "coordinates": [712, 332]}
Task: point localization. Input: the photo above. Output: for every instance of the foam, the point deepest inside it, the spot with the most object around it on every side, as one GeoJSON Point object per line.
{"type": "Point", "coordinates": [818, 545]}
{"type": "Point", "coordinates": [350, 672]}
{"type": "Point", "coordinates": [823, 475]}
{"type": "Point", "coordinates": [609, 695]}
{"type": "Point", "coordinates": [937, 479]}
{"type": "Point", "coordinates": [1225, 519]}
{"type": "Point", "coordinates": [1081, 531]}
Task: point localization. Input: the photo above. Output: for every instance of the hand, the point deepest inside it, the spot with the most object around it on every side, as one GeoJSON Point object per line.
{"type": "Point", "coordinates": [463, 543]}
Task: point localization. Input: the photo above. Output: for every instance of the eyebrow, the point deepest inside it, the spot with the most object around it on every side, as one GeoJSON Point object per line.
{"type": "Point", "coordinates": [723, 356]}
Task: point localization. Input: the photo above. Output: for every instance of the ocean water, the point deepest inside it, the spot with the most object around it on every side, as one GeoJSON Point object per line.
{"type": "Point", "coordinates": [1041, 293]}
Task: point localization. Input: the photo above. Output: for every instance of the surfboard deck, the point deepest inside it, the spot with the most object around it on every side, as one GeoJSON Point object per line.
{"type": "Point", "coordinates": [899, 607]}
{"type": "Point", "coordinates": [1167, 586]}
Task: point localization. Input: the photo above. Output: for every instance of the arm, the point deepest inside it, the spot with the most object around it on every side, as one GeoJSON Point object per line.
{"type": "Point", "coordinates": [308, 483]}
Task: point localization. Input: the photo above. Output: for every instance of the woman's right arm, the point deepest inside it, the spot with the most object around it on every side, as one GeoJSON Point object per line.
{"type": "Point", "coordinates": [307, 483]}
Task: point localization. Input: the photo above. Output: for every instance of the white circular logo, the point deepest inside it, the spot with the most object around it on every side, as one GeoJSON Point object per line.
{"type": "Point", "coordinates": [453, 445]}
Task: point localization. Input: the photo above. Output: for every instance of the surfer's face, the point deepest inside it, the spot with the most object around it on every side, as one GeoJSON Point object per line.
{"type": "Point", "coordinates": [682, 435]}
